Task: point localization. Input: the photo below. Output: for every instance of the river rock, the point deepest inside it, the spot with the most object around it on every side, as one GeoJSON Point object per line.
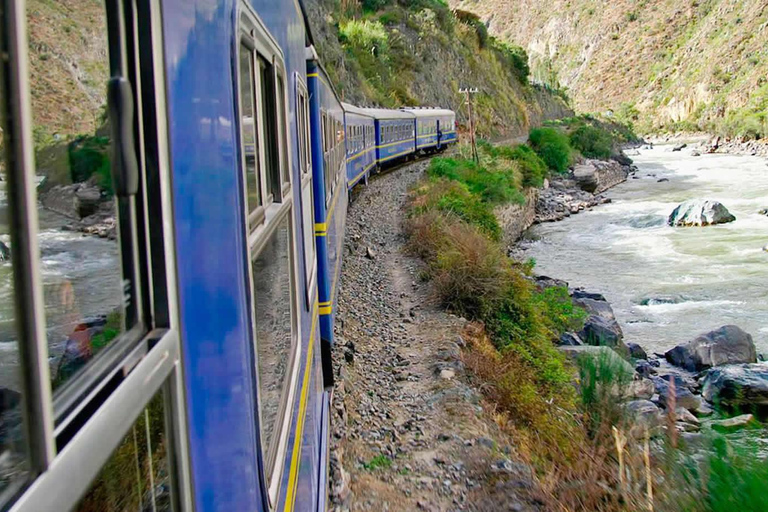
{"type": "Point", "coordinates": [601, 327]}
{"type": "Point", "coordinates": [570, 339]}
{"type": "Point", "coordinates": [636, 351]}
{"type": "Point", "coordinates": [87, 199]}
{"type": "Point", "coordinates": [579, 293]}
{"type": "Point", "coordinates": [607, 355]}
{"type": "Point", "coordinates": [544, 282]}
{"type": "Point", "coordinates": [5, 252]}
{"type": "Point", "coordinates": [596, 176]}
{"type": "Point", "coordinates": [640, 389]}
{"type": "Point", "coordinates": [644, 368]}
{"type": "Point", "coordinates": [763, 211]}
{"type": "Point", "coordinates": [735, 423]}
{"type": "Point", "coordinates": [683, 396]}
{"type": "Point", "coordinates": [601, 332]}
{"type": "Point", "coordinates": [727, 345]}
{"type": "Point", "coordinates": [643, 413]}
{"type": "Point", "coordinates": [679, 147]}
{"type": "Point", "coordinates": [737, 387]}
{"type": "Point", "coordinates": [686, 416]}
{"type": "Point", "coordinates": [697, 212]}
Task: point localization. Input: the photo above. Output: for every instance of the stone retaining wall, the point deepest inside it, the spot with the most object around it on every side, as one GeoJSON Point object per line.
{"type": "Point", "coordinates": [514, 219]}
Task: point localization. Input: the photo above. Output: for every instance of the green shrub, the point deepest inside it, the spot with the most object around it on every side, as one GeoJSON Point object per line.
{"type": "Point", "coordinates": [559, 313]}
{"type": "Point", "coordinates": [494, 180]}
{"type": "Point", "coordinates": [454, 198]}
{"type": "Point", "coordinates": [89, 155]}
{"type": "Point", "coordinates": [373, 5]}
{"type": "Point", "coordinates": [553, 147]}
{"type": "Point", "coordinates": [533, 168]}
{"type": "Point", "coordinates": [591, 141]}
{"type": "Point", "coordinates": [482, 34]}
{"type": "Point", "coordinates": [517, 58]}
{"type": "Point", "coordinates": [602, 376]}
{"type": "Point", "coordinates": [364, 34]}
{"type": "Point", "coordinates": [393, 17]}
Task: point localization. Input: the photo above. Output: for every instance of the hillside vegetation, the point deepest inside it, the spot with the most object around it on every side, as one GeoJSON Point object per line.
{"type": "Point", "coordinates": [392, 53]}
{"type": "Point", "coordinates": [663, 64]}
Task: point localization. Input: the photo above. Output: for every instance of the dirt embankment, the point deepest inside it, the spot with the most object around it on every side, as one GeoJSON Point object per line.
{"type": "Point", "coordinates": [410, 430]}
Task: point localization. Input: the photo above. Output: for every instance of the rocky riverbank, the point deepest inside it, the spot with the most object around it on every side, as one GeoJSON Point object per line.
{"type": "Point", "coordinates": [706, 144]}
{"type": "Point", "coordinates": [87, 207]}
{"type": "Point", "coordinates": [714, 382]}
{"type": "Point", "coordinates": [581, 189]}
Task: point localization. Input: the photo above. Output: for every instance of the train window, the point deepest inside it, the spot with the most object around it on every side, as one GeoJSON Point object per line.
{"type": "Point", "coordinates": [13, 444]}
{"type": "Point", "coordinates": [307, 209]}
{"type": "Point", "coordinates": [136, 476]}
{"type": "Point", "coordinates": [269, 125]}
{"type": "Point", "coordinates": [249, 128]}
{"type": "Point", "coordinates": [72, 320]}
{"type": "Point", "coordinates": [272, 284]}
{"type": "Point", "coordinates": [271, 255]}
{"type": "Point", "coordinates": [302, 110]}
{"type": "Point", "coordinates": [285, 173]}
{"type": "Point", "coordinates": [80, 259]}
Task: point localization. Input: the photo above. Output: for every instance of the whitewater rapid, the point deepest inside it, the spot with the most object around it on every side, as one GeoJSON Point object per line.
{"type": "Point", "coordinates": [668, 284]}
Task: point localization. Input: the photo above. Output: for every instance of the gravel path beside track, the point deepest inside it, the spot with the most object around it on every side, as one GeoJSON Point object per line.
{"type": "Point", "coordinates": [408, 432]}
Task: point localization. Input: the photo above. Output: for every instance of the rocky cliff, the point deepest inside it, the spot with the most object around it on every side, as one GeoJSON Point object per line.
{"type": "Point", "coordinates": [417, 52]}
{"type": "Point", "coordinates": [681, 64]}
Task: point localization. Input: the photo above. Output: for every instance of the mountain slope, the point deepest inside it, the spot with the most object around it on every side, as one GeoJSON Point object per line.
{"type": "Point", "coordinates": [692, 64]}
{"type": "Point", "coordinates": [417, 52]}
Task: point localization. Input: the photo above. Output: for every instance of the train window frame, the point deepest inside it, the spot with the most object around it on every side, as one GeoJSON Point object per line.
{"type": "Point", "coordinates": [124, 380]}
{"type": "Point", "coordinates": [267, 61]}
{"type": "Point", "coordinates": [304, 139]}
{"type": "Point", "coordinates": [257, 239]}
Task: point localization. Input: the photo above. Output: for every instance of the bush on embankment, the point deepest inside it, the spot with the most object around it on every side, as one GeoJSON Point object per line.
{"type": "Point", "coordinates": [553, 147]}
{"type": "Point", "coordinates": [559, 143]}
{"type": "Point", "coordinates": [451, 225]}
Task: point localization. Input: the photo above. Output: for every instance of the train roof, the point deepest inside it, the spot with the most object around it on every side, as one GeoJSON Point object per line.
{"type": "Point", "coordinates": [429, 112]}
{"type": "Point", "coordinates": [352, 109]}
{"type": "Point", "coordinates": [386, 113]}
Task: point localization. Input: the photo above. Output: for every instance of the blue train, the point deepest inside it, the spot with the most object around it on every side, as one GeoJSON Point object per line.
{"type": "Point", "coordinates": [197, 374]}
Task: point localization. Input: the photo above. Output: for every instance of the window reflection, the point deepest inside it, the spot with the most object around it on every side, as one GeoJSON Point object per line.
{"type": "Point", "coordinates": [249, 128]}
{"type": "Point", "coordinates": [80, 260]}
{"type": "Point", "coordinates": [136, 476]}
{"type": "Point", "coordinates": [273, 316]}
{"type": "Point", "coordinates": [13, 447]}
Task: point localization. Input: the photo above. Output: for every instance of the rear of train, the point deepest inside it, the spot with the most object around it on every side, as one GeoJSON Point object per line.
{"type": "Point", "coordinates": [177, 363]}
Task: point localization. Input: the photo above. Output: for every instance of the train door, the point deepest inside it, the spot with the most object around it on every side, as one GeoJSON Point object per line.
{"type": "Point", "coordinates": [91, 392]}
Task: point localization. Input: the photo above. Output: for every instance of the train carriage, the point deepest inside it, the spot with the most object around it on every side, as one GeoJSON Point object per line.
{"type": "Point", "coordinates": [435, 128]}
{"type": "Point", "coordinates": [395, 134]}
{"type": "Point", "coordinates": [361, 144]}
{"type": "Point", "coordinates": [330, 170]}
{"type": "Point", "coordinates": [181, 361]}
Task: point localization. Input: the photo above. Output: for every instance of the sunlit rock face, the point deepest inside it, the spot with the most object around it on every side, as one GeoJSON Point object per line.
{"type": "Point", "coordinates": [697, 212]}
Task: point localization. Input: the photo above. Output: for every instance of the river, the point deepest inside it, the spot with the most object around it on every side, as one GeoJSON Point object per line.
{"type": "Point", "coordinates": [666, 284]}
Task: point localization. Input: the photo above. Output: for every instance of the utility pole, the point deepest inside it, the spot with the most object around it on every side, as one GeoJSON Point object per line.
{"type": "Point", "coordinates": [469, 91]}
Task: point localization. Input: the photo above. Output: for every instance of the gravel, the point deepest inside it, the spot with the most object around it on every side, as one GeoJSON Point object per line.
{"type": "Point", "coordinates": [409, 432]}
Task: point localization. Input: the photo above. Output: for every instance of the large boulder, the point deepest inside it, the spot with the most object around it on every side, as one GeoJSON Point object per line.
{"type": "Point", "coordinates": [601, 327]}
{"type": "Point", "coordinates": [737, 387]}
{"type": "Point", "coordinates": [602, 356]}
{"type": "Point", "coordinates": [644, 413]}
{"type": "Point", "coordinates": [727, 345]}
{"type": "Point", "coordinates": [734, 424]}
{"type": "Point", "coordinates": [697, 212]}
{"type": "Point", "coordinates": [683, 397]}
{"type": "Point", "coordinates": [597, 176]}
